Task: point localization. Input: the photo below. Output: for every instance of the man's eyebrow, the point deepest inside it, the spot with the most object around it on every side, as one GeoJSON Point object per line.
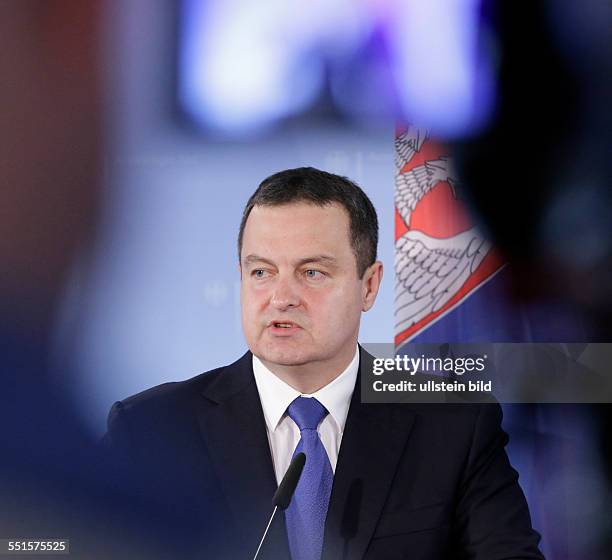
{"type": "Point", "coordinates": [250, 259]}
{"type": "Point", "coordinates": [322, 259]}
{"type": "Point", "coordinates": [318, 259]}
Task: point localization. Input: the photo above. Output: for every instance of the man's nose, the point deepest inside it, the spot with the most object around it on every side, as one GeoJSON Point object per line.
{"type": "Point", "coordinates": [285, 294]}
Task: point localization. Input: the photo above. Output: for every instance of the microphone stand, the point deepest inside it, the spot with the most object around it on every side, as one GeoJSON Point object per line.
{"type": "Point", "coordinates": [285, 491]}
{"type": "Point", "coordinates": [265, 533]}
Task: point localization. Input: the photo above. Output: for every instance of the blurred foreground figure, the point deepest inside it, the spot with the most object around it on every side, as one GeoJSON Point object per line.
{"type": "Point", "coordinates": [53, 483]}
{"type": "Point", "coordinates": [539, 177]}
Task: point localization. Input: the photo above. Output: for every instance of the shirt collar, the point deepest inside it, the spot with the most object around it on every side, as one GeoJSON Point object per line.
{"type": "Point", "coordinates": [276, 395]}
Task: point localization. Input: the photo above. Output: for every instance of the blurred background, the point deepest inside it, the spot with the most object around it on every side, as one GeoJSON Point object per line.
{"type": "Point", "coordinates": [135, 132]}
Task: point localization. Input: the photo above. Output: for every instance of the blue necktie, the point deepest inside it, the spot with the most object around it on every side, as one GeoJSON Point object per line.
{"type": "Point", "coordinates": [306, 513]}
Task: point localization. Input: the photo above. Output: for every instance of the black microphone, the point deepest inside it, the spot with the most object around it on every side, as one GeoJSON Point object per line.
{"type": "Point", "coordinates": [284, 493]}
{"type": "Point", "coordinates": [282, 497]}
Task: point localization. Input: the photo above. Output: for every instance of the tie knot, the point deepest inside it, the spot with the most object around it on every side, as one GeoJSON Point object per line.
{"type": "Point", "coordinates": [307, 413]}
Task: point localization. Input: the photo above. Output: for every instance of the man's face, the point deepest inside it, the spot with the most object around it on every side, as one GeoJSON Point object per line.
{"type": "Point", "coordinates": [301, 295]}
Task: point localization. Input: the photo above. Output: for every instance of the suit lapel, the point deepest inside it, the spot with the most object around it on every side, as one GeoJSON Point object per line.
{"type": "Point", "coordinates": [233, 427]}
{"type": "Point", "coordinates": [374, 437]}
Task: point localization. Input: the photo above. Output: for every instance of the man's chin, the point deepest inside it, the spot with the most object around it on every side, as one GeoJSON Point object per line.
{"type": "Point", "coordinates": [285, 358]}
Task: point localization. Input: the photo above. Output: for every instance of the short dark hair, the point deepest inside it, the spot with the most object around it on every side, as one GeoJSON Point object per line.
{"type": "Point", "coordinates": [307, 184]}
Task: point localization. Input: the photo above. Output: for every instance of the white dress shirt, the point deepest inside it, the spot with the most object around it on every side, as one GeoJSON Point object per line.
{"type": "Point", "coordinates": [283, 433]}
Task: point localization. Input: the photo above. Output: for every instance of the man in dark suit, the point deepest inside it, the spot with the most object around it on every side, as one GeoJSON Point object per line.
{"type": "Point", "coordinates": [381, 481]}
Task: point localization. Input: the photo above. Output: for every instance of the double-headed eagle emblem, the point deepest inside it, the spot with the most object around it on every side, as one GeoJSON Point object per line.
{"type": "Point", "coordinates": [429, 271]}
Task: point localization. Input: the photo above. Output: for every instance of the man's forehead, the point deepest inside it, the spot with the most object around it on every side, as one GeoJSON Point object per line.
{"type": "Point", "coordinates": [300, 221]}
{"type": "Point", "coordinates": [297, 233]}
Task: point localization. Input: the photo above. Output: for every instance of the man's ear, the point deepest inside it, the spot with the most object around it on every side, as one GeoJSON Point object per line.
{"type": "Point", "coordinates": [370, 283]}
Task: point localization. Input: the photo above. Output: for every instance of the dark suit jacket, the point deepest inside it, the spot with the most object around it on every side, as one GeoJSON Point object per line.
{"type": "Point", "coordinates": [413, 481]}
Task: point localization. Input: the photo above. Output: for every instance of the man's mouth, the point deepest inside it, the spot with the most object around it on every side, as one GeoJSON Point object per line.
{"type": "Point", "coordinates": [279, 327]}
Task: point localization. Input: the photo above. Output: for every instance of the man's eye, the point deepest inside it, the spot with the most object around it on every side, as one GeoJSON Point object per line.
{"type": "Point", "coordinates": [313, 274]}
{"type": "Point", "coordinates": [259, 273]}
